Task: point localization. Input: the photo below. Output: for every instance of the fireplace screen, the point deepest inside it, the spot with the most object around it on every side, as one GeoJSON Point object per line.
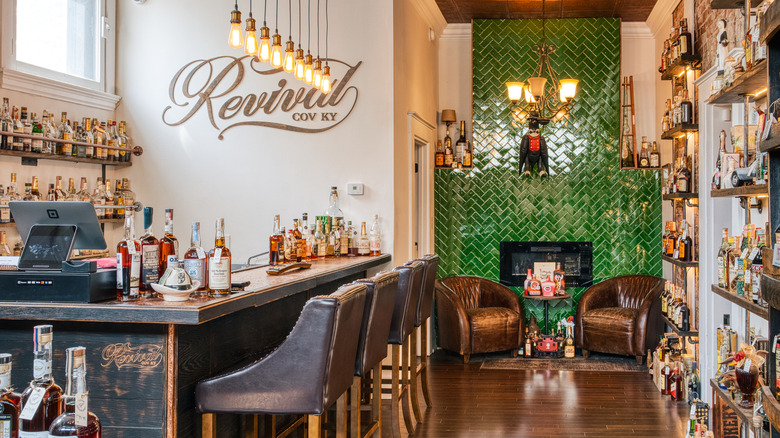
{"type": "Point", "coordinates": [576, 260]}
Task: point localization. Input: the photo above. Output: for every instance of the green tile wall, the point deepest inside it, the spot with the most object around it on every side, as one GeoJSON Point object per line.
{"type": "Point", "coordinates": [586, 197]}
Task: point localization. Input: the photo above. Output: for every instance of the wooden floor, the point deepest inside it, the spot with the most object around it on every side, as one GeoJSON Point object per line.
{"type": "Point", "coordinates": [473, 403]}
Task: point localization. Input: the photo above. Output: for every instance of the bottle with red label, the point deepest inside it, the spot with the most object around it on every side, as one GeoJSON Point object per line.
{"type": "Point", "coordinates": [548, 287]}
{"type": "Point", "coordinates": [558, 278]}
{"type": "Point", "coordinates": [676, 385]}
{"type": "Point", "coordinates": [666, 374]}
{"type": "Point", "coordinates": [532, 284]}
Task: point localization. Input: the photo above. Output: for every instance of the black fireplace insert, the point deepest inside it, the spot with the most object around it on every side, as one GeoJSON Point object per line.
{"type": "Point", "coordinates": [576, 260]}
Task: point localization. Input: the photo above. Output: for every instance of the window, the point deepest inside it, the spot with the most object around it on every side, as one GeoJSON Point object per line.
{"type": "Point", "coordinates": [56, 48]}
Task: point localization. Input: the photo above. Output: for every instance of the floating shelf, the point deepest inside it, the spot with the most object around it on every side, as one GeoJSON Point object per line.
{"type": "Point", "coordinates": [679, 66]}
{"type": "Point", "coordinates": [749, 83]}
{"type": "Point", "coordinates": [680, 129]}
{"type": "Point", "coordinates": [742, 302]}
{"type": "Point", "coordinates": [675, 196]}
{"type": "Point", "coordinates": [102, 221]}
{"type": "Point", "coordinates": [679, 332]}
{"type": "Point", "coordinates": [770, 287]}
{"type": "Point", "coordinates": [770, 23]}
{"type": "Point", "coordinates": [680, 263]}
{"type": "Point", "coordinates": [754, 190]}
{"type": "Point", "coordinates": [745, 415]}
{"type": "Point", "coordinates": [39, 156]}
{"type": "Point", "coordinates": [773, 141]}
{"type": "Point", "coordinates": [732, 4]}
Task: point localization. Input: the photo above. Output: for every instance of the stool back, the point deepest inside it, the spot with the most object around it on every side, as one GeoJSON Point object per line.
{"type": "Point", "coordinates": [430, 268]}
{"type": "Point", "coordinates": [407, 294]}
{"type": "Point", "coordinates": [380, 297]}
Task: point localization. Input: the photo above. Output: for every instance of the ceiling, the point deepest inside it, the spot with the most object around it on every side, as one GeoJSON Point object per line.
{"type": "Point", "coordinates": [463, 11]}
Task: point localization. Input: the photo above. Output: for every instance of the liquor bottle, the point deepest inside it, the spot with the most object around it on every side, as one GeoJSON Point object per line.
{"type": "Point", "coordinates": [36, 128]}
{"type": "Point", "coordinates": [675, 384]}
{"type": "Point", "coordinates": [666, 374]}
{"type": "Point", "coordinates": [528, 349]}
{"type": "Point", "coordinates": [6, 124]}
{"type": "Point", "coordinates": [665, 298]}
{"type": "Point", "coordinates": [5, 212]}
{"type": "Point", "coordinates": [42, 400]}
{"type": "Point", "coordinates": [335, 239]}
{"type": "Point", "coordinates": [76, 420]}
{"type": "Point", "coordinates": [10, 402]}
{"type": "Point", "coordinates": [169, 244]}
{"type": "Point", "coordinates": [655, 156]}
{"type": "Point", "coordinates": [739, 281]}
{"type": "Point", "coordinates": [671, 240]}
{"type": "Point", "coordinates": [644, 155]}
{"type": "Point", "coordinates": [724, 244]}
{"type": "Point", "coordinates": [343, 232]}
{"type": "Point", "coordinates": [128, 262]}
{"type": "Point", "coordinates": [527, 282]}
{"type": "Point", "coordinates": [89, 137]}
{"type": "Point", "coordinates": [99, 136]}
{"type": "Point", "coordinates": [289, 247]}
{"type": "Point", "coordinates": [34, 192]}
{"type": "Point", "coordinates": [119, 201]}
{"type": "Point", "coordinates": [569, 348]}
{"type": "Point", "coordinates": [534, 286]}
{"type": "Point", "coordinates": [5, 250]}
{"type": "Point", "coordinates": [449, 160]}
{"type": "Point", "coordinates": [128, 195]}
{"type": "Point", "coordinates": [439, 155]}
{"type": "Point", "coordinates": [121, 141]}
{"type": "Point", "coordinates": [219, 263]}
{"type": "Point", "coordinates": [274, 241]}
{"type": "Point", "coordinates": [71, 193]}
{"type": "Point", "coordinates": [18, 128]}
{"type": "Point", "coordinates": [112, 139]}
{"type": "Point", "coordinates": [110, 213]}
{"type": "Point", "coordinates": [196, 262]}
{"type": "Point", "coordinates": [460, 145]}
{"type": "Point", "coordinates": [685, 38]}
{"type": "Point", "coordinates": [150, 256]}
{"type": "Point", "coordinates": [729, 267]}
{"type": "Point", "coordinates": [665, 238]}
{"type": "Point", "coordinates": [364, 244]}
{"type": "Point", "coordinates": [26, 129]}
{"type": "Point", "coordinates": [666, 122]}
{"type": "Point", "coordinates": [548, 287]}
{"type": "Point", "coordinates": [686, 109]}
{"type": "Point", "coordinates": [50, 194]}
{"type": "Point", "coordinates": [353, 241]}
{"type": "Point", "coordinates": [685, 317]}
{"type": "Point", "coordinates": [47, 131]}
{"type": "Point", "coordinates": [66, 133]}
{"type": "Point", "coordinates": [320, 241]}
{"type": "Point", "coordinates": [77, 150]}
{"type": "Point", "coordinates": [686, 246]}
{"type": "Point", "coordinates": [684, 177]}
{"type": "Point", "coordinates": [333, 212]}
{"type": "Point", "coordinates": [468, 155]}
{"type": "Point", "coordinates": [99, 199]}
{"type": "Point", "coordinates": [559, 278]}
{"type": "Point", "coordinates": [375, 238]}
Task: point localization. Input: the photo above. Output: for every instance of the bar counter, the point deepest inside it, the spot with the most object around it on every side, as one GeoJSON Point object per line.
{"type": "Point", "coordinates": [145, 358]}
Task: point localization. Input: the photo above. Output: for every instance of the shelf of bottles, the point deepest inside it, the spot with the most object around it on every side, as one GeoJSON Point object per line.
{"type": "Point", "coordinates": [680, 263]}
{"type": "Point", "coordinates": [680, 131]}
{"type": "Point", "coordinates": [732, 4]}
{"type": "Point", "coordinates": [457, 156]}
{"type": "Point", "coordinates": [684, 62]}
{"type": "Point", "coordinates": [749, 83]}
{"type": "Point", "coordinates": [769, 23]}
{"type": "Point", "coordinates": [83, 152]}
{"type": "Point", "coordinates": [677, 331]}
{"type": "Point", "coordinates": [741, 301]}
{"type": "Point", "coordinates": [744, 191]}
{"type": "Point", "coordinates": [745, 415]}
{"type": "Point", "coordinates": [677, 195]}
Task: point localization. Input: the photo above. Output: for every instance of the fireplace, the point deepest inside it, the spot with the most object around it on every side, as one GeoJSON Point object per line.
{"type": "Point", "coordinates": [576, 260]}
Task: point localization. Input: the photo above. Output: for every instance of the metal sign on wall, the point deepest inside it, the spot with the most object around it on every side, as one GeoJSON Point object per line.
{"type": "Point", "coordinates": [234, 92]}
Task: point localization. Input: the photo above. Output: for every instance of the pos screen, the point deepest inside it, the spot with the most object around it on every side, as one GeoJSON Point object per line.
{"type": "Point", "coordinates": [47, 246]}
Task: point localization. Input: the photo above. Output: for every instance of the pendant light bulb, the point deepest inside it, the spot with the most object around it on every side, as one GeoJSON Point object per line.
{"type": "Point", "coordinates": [308, 71]}
{"type": "Point", "coordinates": [289, 57]}
{"type": "Point", "coordinates": [300, 64]}
{"type": "Point", "coordinates": [317, 73]}
{"type": "Point", "coordinates": [325, 87]}
{"type": "Point", "coordinates": [250, 47]}
{"type": "Point", "coordinates": [264, 52]}
{"type": "Point", "coordinates": [235, 39]}
{"type": "Point", "coordinates": [276, 51]}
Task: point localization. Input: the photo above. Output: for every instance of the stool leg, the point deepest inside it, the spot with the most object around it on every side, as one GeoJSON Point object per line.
{"type": "Point", "coordinates": [413, 375]}
{"type": "Point", "coordinates": [315, 426]}
{"type": "Point", "coordinates": [424, 363]}
{"type": "Point", "coordinates": [376, 398]}
{"type": "Point", "coordinates": [250, 426]}
{"type": "Point", "coordinates": [270, 426]}
{"type": "Point", "coordinates": [405, 387]}
{"type": "Point", "coordinates": [208, 425]}
{"type": "Point", "coordinates": [341, 416]}
{"type": "Point", "coordinates": [354, 406]}
{"type": "Point", "coordinates": [395, 399]}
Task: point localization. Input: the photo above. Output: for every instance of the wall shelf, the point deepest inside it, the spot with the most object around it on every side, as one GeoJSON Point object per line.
{"type": "Point", "coordinates": [770, 23]}
{"type": "Point", "coordinates": [673, 327]}
{"type": "Point", "coordinates": [732, 4]}
{"type": "Point", "coordinates": [745, 415]}
{"type": "Point", "coordinates": [747, 191]}
{"type": "Point", "coordinates": [102, 221]}
{"type": "Point", "coordinates": [679, 262]}
{"type": "Point", "coordinates": [773, 141]}
{"type": "Point", "coordinates": [679, 66]}
{"type": "Point", "coordinates": [676, 196]}
{"type": "Point", "coordinates": [749, 83]}
{"type": "Point", "coordinates": [742, 302]}
{"type": "Point", "coordinates": [680, 131]}
{"type": "Point", "coordinates": [39, 156]}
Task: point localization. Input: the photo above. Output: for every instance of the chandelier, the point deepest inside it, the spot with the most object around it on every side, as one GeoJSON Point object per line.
{"type": "Point", "coordinates": [535, 101]}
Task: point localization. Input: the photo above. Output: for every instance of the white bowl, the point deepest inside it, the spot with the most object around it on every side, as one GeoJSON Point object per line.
{"type": "Point", "coordinates": [170, 294]}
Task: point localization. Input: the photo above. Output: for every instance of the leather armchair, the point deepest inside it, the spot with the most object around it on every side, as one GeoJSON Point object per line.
{"type": "Point", "coordinates": [477, 315]}
{"type": "Point", "coordinates": [620, 316]}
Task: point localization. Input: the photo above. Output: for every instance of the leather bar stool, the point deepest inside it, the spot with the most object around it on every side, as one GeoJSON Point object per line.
{"type": "Point", "coordinates": [306, 375]}
{"type": "Point", "coordinates": [424, 307]}
{"type": "Point", "coordinates": [402, 325]}
{"type": "Point", "coordinates": [372, 349]}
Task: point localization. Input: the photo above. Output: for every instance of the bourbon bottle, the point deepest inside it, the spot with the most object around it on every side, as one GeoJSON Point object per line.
{"type": "Point", "coordinates": [169, 244]}
{"type": "Point", "coordinates": [9, 401]}
{"type": "Point", "coordinates": [374, 238]}
{"type": "Point", "coordinates": [76, 420]}
{"type": "Point", "coordinates": [439, 155]}
{"type": "Point", "coordinates": [128, 262]}
{"type": "Point", "coordinates": [150, 256]}
{"type": "Point", "coordinates": [42, 400]}
{"type": "Point", "coordinates": [219, 263]}
{"type": "Point", "coordinates": [364, 245]}
{"type": "Point", "coordinates": [676, 385]}
{"type": "Point", "coordinates": [196, 262]}
{"type": "Point", "coordinates": [275, 255]}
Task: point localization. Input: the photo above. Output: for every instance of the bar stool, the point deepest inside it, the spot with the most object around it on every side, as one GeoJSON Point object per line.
{"type": "Point", "coordinates": [407, 295]}
{"type": "Point", "coordinates": [372, 349]}
{"type": "Point", "coordinates": [424, 307]}
{"type": "Point", "coordinates": [309, 371]}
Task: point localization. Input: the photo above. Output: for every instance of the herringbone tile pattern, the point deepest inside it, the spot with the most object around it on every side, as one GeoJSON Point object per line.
{"type": "Point", "coordinates": [586, 197]}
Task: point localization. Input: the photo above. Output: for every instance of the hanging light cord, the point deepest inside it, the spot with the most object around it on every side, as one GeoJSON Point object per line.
{"type": "Point", "coordinates": [318, 29]}
{"type": "Point", "coordinates": [277, 16]}
{"type": "Point", "coordinates": [289, 6]}
{"type": "Point", "coordinates": [326, 32]}
{"type": "Point", "coordinates": [250, 8]}
{"type": "Point", "coordinates": [265, 10]}
{"type": "Point", "coordinates": [308, 43]}
{"type": "Point", "coordinates": [299, 24]}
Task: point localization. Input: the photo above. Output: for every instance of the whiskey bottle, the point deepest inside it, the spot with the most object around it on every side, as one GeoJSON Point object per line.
{"type": "Point", "coordinates": [685, 38]}
{"type": "Point", "coordinates": [684, 177]}
{"type": "Point", "coordinates": [448, 153]}
{"type": "Point", "coordinates": [460, 145]}
{"type": "Point", "coordinates": [534, 285]}
{"type": "Point", "coordinates": [71, 191]}
{"type": "Point", "coordinates": [50, 194]}
{"type": "Point", "coordinates": [5, 250]}
{"type": "Point", "coordinates": [666, 374]}
{"type": "Point", "coordinates": [89, 151]}
{"type": "Point", "coordinates": [98, 199]}
{"type": "Point", "coordinates": [665, 299]}
{"type": "Point", "coordinates": [320, 241]}
{"type": "Point", "coordinates": [9, 400]}
{"type": "Point", "coordinates": [128, 262]}
{"type": "Point", "coordinates": [439, 153]}
{"type": "Point", "coordinates": [468, 156]}
{"type": "Point", "coordinates": [119, 201]}
{"type": "Point", "coordinates": [290, 251]}
{"type": "Point", "coordinates": [5, 212]}
{"type": "Point", "coordinates": [569, 348]}
{"type": "Point", "coordinates": [112, 139]}
{"type": "Point", "coordinates": [274, 242]}
{"type": "Point", "coordinates": [364, 245]}
{"type": "Point", "coordinates": [675, 384]}
{"type": "Point", "coordinates": [528, 349]}
{"type": "Point", "coordinates": [110, 213]}
{"type": "Point", "coordinates": [686, 109]}
{"type": "Point", "coordinates": [18, 128]}
{"type": "Point", "coordinates": [685, 317]}
{"type": "Point", "coordinates": [6, 124]}
{"type": "Point", "coordinates": [196, 262]}
{"type": "Point", "coordinates": [548, 287]}
{"type": "Point", "coordinates": [99, 136]}
{"type": "Point", "coordinates": [49, 131]}
{"type": "Point", "coordinates": [724, 245]}
{"type": "Point", "coordinates": [219, 263]}
{"type": "Point", "coordinates": [559, 278]}
{"type": "Point", "coordinates": [169, 244]}
{"type": "Point", "coordinates": [41, 401]}
{"type": "Point", "coordinates": [627, 154]}
{"type": "Point", "coordinates": [83, 193]}
{"type": "Point", "coordinates": [34, 192]}
{"type": "Point", "coordinates": [655, 156]}
{"type": "Point", "coordinates": [352, 236]}
{"type": "Point", "coordinates": [343, 232]}
{"type": "Point", "coordinates": [375, 238]}
{"type": "Point", "coordinates": [128, 195]}
{"type": "Point", "coordinates": [76, 420]}
{"type": "Point", "coordinates": [335, 239]}
{"type": "Point", "coordinates": [671, 241]}
{"type": "Point", "coordinates": [686, 246]}
{"type": "Point", "coordinates": [26, 129]}
{"type": "Point", "coordinates": [333, 212]}
{"type": "Point", "coordinates": [66, 133]}
{"type": "Point", "coordinates": [121, 141]}
{"type": "Point", "coordinates": [644, 155]}
{"type": "Point", "coordinates": [150, 256]}
{"type": "Point", "coordinates": [36, 128]}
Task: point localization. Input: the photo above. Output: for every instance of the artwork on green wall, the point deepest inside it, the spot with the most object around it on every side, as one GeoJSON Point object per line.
{"type": "Point", "coordinates": [584, 198]}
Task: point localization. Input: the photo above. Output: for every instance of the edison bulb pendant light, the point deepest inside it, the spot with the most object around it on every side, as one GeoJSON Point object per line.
{"type": "Point", "coordinates": [235, 39]}
{"type": "Point", "coordinates": [276, 51]}
{"type": "Point", "coordinates": [264, 52]}
{"type": "Point", "coordinates": [317, 73]}
{"type": "Point", "coordinates": [250, 47]}
{"type": "Point", "coordinates": [325, 87]}
{"type": "Point", "coordinates": [289, 57]}
{"type": "Point", "coordinates": [308, 71]}
{"type": "Point", "coordinates": [300, 64]}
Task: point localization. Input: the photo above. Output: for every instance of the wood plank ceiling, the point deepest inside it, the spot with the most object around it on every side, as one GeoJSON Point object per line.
{"type": "Point", "coordinates": [463, 11]}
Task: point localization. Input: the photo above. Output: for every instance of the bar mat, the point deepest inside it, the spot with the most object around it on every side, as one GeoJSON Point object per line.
{"type": "Point", "coordinates": [595, 362]}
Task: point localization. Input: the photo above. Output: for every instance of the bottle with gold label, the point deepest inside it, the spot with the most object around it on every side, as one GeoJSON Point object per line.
{"type": "Point", "coordinates": [10, 402]}
{"type": "Point", "coordinates": [219, 263]}
{"type": "Point", "coordinates": [724, 245]}
{"type": "Point", "coordinates": [568, 349]}
{"type": "Point", "coordinates": [76, 420]}
{"type": "Point", "coordinates": [468, 155]}
{"type": "Point", "coordinates": [439, 155]}
{"type": "Point", "coordinates": [42, 399]}
{"type": "Point", "coordinates": [364, 245]}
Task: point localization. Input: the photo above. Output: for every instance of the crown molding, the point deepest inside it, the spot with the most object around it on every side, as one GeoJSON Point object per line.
{"type": "Point", "coordinates": [660, 17]}
{"type": "Point", "coordinates": [460, 31]}
{"type": "Point", "coordinates": [635, 30]}
{"type": "Point", "coordinates": [431, 14]}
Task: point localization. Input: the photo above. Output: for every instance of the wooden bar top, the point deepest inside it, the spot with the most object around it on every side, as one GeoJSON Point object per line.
{"type": "Point", "coordinates": [263, 288]}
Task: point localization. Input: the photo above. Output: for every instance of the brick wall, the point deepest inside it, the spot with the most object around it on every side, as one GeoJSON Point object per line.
{"type": "Point", "coordinates": [706, 29]}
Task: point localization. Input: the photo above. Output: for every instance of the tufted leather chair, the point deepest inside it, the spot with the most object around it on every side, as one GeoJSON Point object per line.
{"type": "Point", "coordinates": [312, 368]}
{"type": "Point", "coordinates": [620, 316]}
{"type": "Point", "coordinates": [477, 315]}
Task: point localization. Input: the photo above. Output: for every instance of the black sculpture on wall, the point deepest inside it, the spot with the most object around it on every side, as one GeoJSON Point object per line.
{"type": "Point", "coordinates": [533, 151]}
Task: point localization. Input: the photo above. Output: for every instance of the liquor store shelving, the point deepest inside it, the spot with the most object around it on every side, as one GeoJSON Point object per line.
{"type": "Point", "coordinates": [680, 131]}
{"type": "Point", "coordinates": [742, 302]}
{"type": "Point", "coordinates": [745, 415]}
{"type": "Point", "coordinates": [680, 263]}
{"type": "Point", "coordinates": [744, 191]}
{"type": "Point", "coordinates": [32, 157]}
{"type": "Point", "coordinates": [680, 65]}
{"type": "Point", "coordinates": [40, 156]}
{"type": "Point", "coordinates": [750, 83]}
{"type": "Point", "coordinates": [682, 333]}
{"type": "Point", "coordinates": [676, 196]}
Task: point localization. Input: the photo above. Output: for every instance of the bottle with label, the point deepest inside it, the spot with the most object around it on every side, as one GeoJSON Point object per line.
{"type": "Point", "coordinates": [665, 298]}
{"type": "Point", "coordinates": [83, 193]}
{"type": "Point", "coordinates": [684, 320]}
{"type": "Point", "coordinates": [66, 133]}
{"type": "Point", "coordinates": [5, 250]}
{"type": "Point", "coordinates": [534, 285]}
{"type": "Point", "coordinates": [724, 245]}
{"type": "Point", "coordinates": [468, 155]}
{"type": "Point", "coordinates": [334, 239]}
{"type": "Point", "coordinates": [10, 402]}
{"type": "Point", "coordinates": [353, 241]}
{"type": "Point", "coordinates": [460, 145]}
{"type": "Point", "coordinates": [219, 263]}
{"type": "Point", "coordinates": [36, 129]}
{"type": "Point", "coordinates": [275, 241]}
{"type": "Point", "coordinates": [364, 244]}
{"type": "Point", "coordinates": [76, 420]}
{"type": "Point", "coordinates": [300, 245]}
{"type": "Point", "coordinates": [169, 244]}
{"type": "Point", "coordinates": [122, 142]}
{"type": "Point", "coordinates": [26, 129]}
{"type": "Point", "coordinates": [729, 267]}
{"type": "Point", "coordinates": [655, 156]}
{"type": "Point", "coordinates": [128, 262]}
{"type": "Point", "coordinates": [290, 251]}
{"type": "Point", "coordinates": [5, 212]}
{"type": "Point", "coordinates": [196, 262]}
{"type": "Point", "coordinates": [18, 128]}
{"type": "Point", "coordinates": [374, 238]}
{"type": "Point", "coordinates": [150, 256]}
{"type": "Point", "coordinates": [528, 349]}
{"type": "Point", "coordinates": [6, 124]}
{"type": "Point", "coordinates": [439, 155]}
{"type": "Point", "coordinates": [71, 193]}
{"type": "Point", "coordinates": [344, 233]}
{"type": "Point", "coordinates": [42, 400]}
{"type": "Point", "coordinates": [50, 195]}
{"type": "Point", "coordinates": [685, 38]}
{"type": "Point", "coordinates": [333, 212]}
{"type": "Point", "coordinates": [119, 201]}
{"type": "Point", "coordinates": [548, 287]}
{"type": "Point", "coordinates": [307, 233]}
{"type": "Point", "coordinates": [110, 213]}
{"type": "Point", "coordinates": [684, 177]}
{"type": "Point", "coordinates": [112, 139]}
{"type": "Point", "coordinates": [320, 242]}
{"type": "Point", "coordinates": [448, 153]}
{"type": "Point", "coordinates": [569, 348]}
{"type": "Point", "coordinates": [686, 109]}
{"type": "Point", "coordinates": [128, 195]}
{"type": "Point", "coordinates": [666, 374]}
{"type": "Point", "coordinates": [558, 278]}
{"type": "Point", "coordinates": [686, 246]}
{"type": "Point", "coordinates": [671, 241]}
{"type": "Point", "coordinates": [676, 384]}
{"type": "Point", "coordinates": [644, 154]}
{"type": "Point", "coordinates": [99, 199]}
{"type": "Point", "coordinates": [89, 151]}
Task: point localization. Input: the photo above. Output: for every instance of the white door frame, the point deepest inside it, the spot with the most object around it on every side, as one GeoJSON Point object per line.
{"type": "Point", "coordinates": [423, 132]}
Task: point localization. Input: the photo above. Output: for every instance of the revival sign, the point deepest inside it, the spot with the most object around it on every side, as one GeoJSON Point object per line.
{"type": "Point", "coordinates": [235, 92]}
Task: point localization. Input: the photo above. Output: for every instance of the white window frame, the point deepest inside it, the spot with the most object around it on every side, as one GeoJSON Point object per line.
{"type": "Point", "coordinates": [23, 77]}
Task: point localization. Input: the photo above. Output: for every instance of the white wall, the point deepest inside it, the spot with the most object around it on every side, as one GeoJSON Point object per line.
{"type": "Point", "coordinates": [255, 172]}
